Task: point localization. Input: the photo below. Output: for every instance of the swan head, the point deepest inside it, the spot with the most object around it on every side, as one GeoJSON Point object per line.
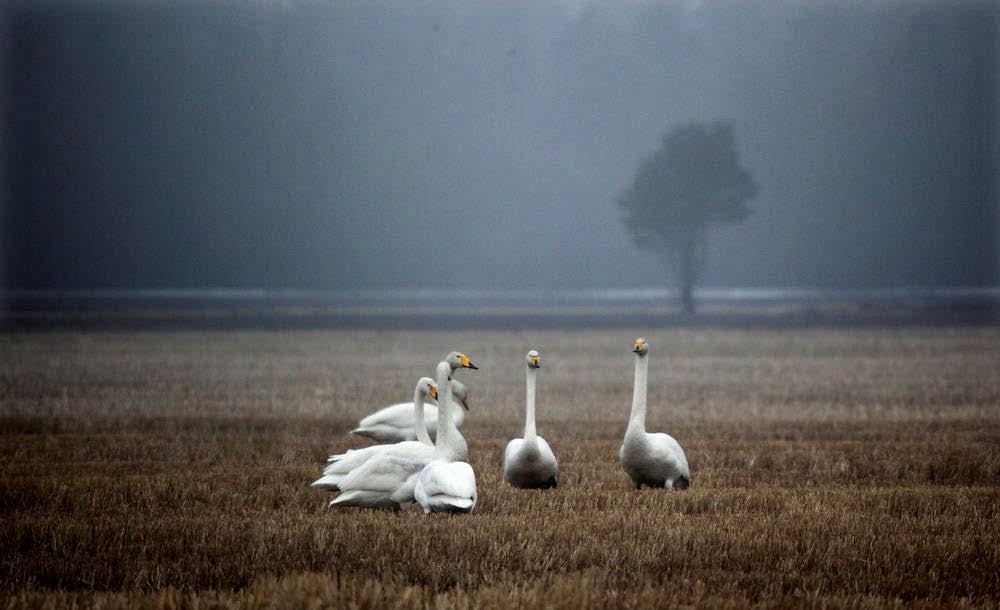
{"type": "Point", "coordinates": [427, 387]}
{"type": "Point", "coordinates": [458, 360]}
{"type": "Point", "coordinates": [533, 360]}
{"type": "Point", "coordinates": [641, 347]}
{"type": "Point", "coordinates": [460, 393]}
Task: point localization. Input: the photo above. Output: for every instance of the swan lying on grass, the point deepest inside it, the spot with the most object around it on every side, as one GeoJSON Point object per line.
{"type": "Point", "coordinates": [398, 423]}
{"type": "Point", "coordinates": [394, 479]}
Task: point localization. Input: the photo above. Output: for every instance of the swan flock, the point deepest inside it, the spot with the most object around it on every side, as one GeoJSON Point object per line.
{"type": "Point", "coordinates": [423, 456]}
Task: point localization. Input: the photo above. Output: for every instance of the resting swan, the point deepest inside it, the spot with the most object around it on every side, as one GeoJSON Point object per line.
{"type": "Point", "coordinates": [397, 423]}
{"type": "Point", "coordinates": [655, 460]}
{"type": "Point", "coordinates": [392, 480]}
{"type": "Point", "coordinates": [343, 463]}
{"type": "Point", "coordinates": [445, 484]}
{"type": "Point", "coordinates": [334, 473]}
{"type": "Point", "coordinates": [529, 462]}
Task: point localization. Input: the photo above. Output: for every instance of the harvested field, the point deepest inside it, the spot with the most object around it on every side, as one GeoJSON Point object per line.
{"type": "Point", "coordinates": [851, 468]}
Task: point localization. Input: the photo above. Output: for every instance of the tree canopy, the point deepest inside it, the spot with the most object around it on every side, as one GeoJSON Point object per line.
{"type": "Point", "coordinates": [694, 180]}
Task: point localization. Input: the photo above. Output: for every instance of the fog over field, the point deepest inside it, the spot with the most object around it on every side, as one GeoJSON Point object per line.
{"type": "Point", "coordinates": [482, 144]}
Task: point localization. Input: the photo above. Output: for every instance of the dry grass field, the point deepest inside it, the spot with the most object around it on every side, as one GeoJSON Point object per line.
{"type": "Point", "coordinates": [830, 468]}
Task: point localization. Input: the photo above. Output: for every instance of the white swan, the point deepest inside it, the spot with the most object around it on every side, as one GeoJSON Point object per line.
{"type": "Point", "coordinates": [446, 487]}
{"type": "Point", "coordinates": [335, 472]}
{"type": "Point", "coordinates": [529, 462]}
{"type": "Point", "coordinates": [446, 484]}
{"type": "Point", "coordinates": [397, 422]}
{"type": "Point", "coordinates": [655, 460]}
{"type": "Point", "coordinates": [390, 480]}
{"type": "Point", "coordinates": [342, 463]}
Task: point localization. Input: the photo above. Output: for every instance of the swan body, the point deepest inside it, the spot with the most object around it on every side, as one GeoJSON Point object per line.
{"type": "Point", "coordinates": [354, 459]}
{"type": "Point", "coordinates": [390, 478]}
{"type": "Point", "coordinates": [448, 487]}
{"type": "Point", "coordinates": [397, 423]}
{"type": "Point", "coordinates": [654, 460]}
{"type": "Point", "coordinates": [385, 481]}
{"type": "Point", "coordinates": [529, 461]}
{"type": "Point", "coordinates": [343, 464]}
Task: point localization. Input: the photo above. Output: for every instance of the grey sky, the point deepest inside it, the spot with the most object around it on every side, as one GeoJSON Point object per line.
{"type": "Point", "coordinates": [357, 144]}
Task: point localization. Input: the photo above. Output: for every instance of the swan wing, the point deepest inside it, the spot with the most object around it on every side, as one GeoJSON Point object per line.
{"type": "Point", "coordinates": [383, 473]}
{"type": "Point", "coordinates": [454, 479]}
{"type": "Point", "coordinates": [356, 457]}
{"type": "Point", "coordinates": [666, 449]}
{"type": "Point", "coordinates": [398, 415]}
{"type": "Point", "coordinates": [546, 456]}
{"type": "Point", "coordinates": [396, 423]}
{"type": "Point", "coordinates": [510, 453]}
{"type": "Point", "coordinates": [385, 481]}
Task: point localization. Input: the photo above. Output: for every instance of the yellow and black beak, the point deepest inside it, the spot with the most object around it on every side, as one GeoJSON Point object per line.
{"type": "Point", "coordinates": [535, 364]}
{"type": "Point", "coordinates": [433, 392]}
{"type": "Point", "coordinates": [466, 363]}
{"type": "Point", "coordinates": [639, 345]}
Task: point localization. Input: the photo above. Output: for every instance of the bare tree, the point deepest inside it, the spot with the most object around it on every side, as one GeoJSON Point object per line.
{"type": "Point", "coordinates": [692, 182]}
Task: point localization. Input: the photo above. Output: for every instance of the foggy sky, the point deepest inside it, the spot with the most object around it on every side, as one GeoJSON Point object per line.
{"type": "Point", "coordinates": [482, 144]}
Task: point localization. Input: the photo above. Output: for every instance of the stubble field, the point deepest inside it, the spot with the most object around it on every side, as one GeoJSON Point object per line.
{"type": "Point", "coordinates": [830, 468]}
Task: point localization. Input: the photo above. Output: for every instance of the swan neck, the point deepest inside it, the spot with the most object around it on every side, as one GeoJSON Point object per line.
{"type": "Point", "coordinates": [419, 423]}
{"type": "Point", "coordinates": [446, 423]}
{"type": "Point", "coordinates": [529, 419]}
{"type": "Point", "coordinates": [637, 421]}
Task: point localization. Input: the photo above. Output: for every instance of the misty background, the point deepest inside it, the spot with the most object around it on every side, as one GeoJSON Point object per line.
{"type": "Point", "coordinates": [370, 145]}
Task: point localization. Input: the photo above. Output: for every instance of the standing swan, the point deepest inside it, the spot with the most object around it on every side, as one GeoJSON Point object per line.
{"type": "Point", "coordinates": [445, 484]}
{"type": "Point", "coordinates": [655, 460]}
{"type": "Point", "coordinates": [529, 462]}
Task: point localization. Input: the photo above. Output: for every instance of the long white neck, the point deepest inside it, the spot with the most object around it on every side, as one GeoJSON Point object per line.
{"type": "Point", "coordinates": [446, 429]}
{"type": "Point", "coordinates": [637, 421]}
{"type": "Point", "coordinates": [529, 418]}
{"type": "Point", "coordinates": [418, 418]}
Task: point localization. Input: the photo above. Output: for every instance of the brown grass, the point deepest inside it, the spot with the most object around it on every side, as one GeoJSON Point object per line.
{"type": "Point", "coordinates": [830, 469]}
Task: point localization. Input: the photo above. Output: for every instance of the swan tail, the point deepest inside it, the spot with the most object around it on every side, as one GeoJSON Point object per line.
{"type": "Point", "coordinates": [346, 498]}
{"type": "Point", "coordinates": [364, 499]}
{"type": "Point", "coordinates": [330, 482]}
{"type": "Point", "coordinates": [336, 457]}
{"type": "Point", "coordinates": [452, 504]}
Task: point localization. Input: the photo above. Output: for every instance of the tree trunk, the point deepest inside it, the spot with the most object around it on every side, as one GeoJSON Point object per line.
{"type": "Point", "coordinates": [687, 273]}
{"type": "Point", "coordinates": [684, 257]}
